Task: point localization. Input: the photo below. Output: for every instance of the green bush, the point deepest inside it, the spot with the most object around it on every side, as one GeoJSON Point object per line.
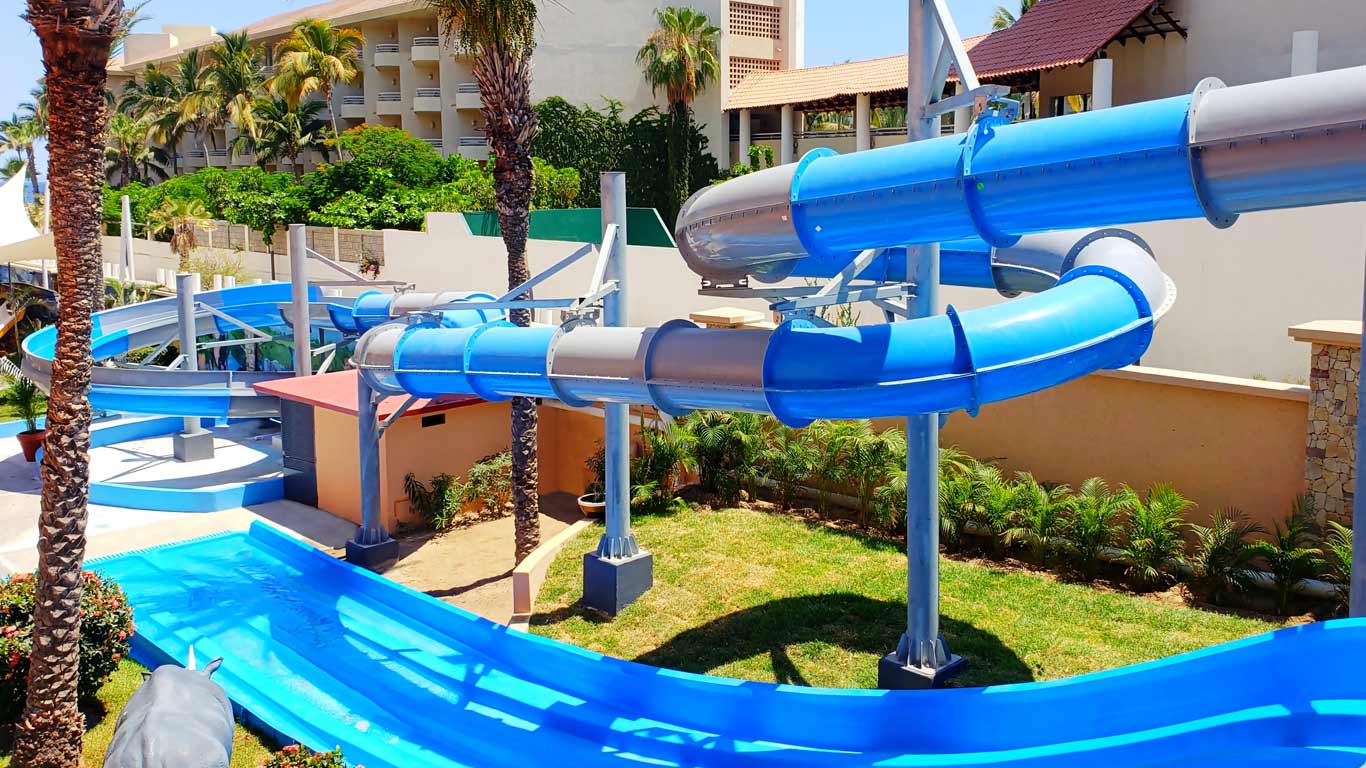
{"type": "Point", "coordinates": [299, 756]}
{"type": "Point", "coordinates": [1224, 557]}
{"type": "Point", "coordinates": [439, 503]}
{"type": "Point", "coordinates": [1154, 547]}
{"type": "Point", "coordinates": [106, 626]}
{"type": "Point", "coordinates": [1290, 554]}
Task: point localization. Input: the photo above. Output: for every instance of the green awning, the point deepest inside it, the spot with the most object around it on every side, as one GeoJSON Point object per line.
{"type": "Point", "coordinates": [580, 225]}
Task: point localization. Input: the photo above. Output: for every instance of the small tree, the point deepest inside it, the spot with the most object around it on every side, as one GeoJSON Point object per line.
{"type": "Point", "coordinates": [178, 216]}
{"type": "Point", "coordinates": [1224, 554]}
{"type": "Point", "coordinates": [1338, 543]}
{"type": "Point", "coordinates": [787, 461]}
{"type": "Point", "coordinates": [1290, 555]}
{"type": "Point", "coordinates": [1095, 523]}
{"type": "Point", "coordinates": [1153, 544]}
{"type": "Point", "coordinates": [1040, 519]}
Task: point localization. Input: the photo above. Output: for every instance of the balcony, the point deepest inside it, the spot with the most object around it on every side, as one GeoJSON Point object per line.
{"type": "Point", "coordinates": [196, 158]}
{"type": "Point", "coordinates": [426, 49]}
{"type": "Point", "coordinates": [352, 108]}
{"type": "Point", "coordinates": [387, 55]}
{"type": "Point", "coordinates": [218, 158]}
{"type": "Point", "coordinates": [467, 96]}
{"type": "Point", "coordinates": [389, 103]}
{"type": "Point", "coordinates": [474, 147]}
{"type": "Point", "coordinates": [436, 143]}
{"type": "Point", "coordinates": [427, 100]}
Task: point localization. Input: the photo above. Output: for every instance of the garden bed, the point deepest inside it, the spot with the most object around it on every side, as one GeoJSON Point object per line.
{"type": "Point", "coordinates": [753, 595]}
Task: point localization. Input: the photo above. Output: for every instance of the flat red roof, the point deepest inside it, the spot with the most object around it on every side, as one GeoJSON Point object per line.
{"type": "Point", "coordinates": [337, 392]}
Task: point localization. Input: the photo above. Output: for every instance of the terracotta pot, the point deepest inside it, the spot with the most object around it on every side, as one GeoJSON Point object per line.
{"type": "Point", "coordinates": [31, 441]}
{"type": "Point", "coordinates": [593, 504]}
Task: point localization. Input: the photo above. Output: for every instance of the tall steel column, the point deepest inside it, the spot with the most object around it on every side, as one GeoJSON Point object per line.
{"type": "Point", "coordinates": [298, 310]}
{"type": "Point", "coordinates": [195, 442]}
{"type": "Point", "coordinates": [618, 571]}
{"type": "Point", "coordinates": [126, 239]}
{"type": "Point", "coordinates": [921, 660]}
{"type": "Point", "coordinates": [1357, 605]}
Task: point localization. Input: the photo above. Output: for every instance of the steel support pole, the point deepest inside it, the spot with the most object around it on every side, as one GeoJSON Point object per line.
{"type": "Point", "coordinates": [195, 442]}
{"type": "Point", "coordinates": [921, 659]}
{"type": "Point", "coordinates": [618, 571]}
{"type": "Point", "coordinates": [298, 310]}
{"type": "Point", "coordinates": [1357, 606]}
{"type": "Point", "coordinates": [367, 426]}
{"type": "Point", "coordinates": [787, 153]}
{"type": "Point", "coordinates": [126, 238]}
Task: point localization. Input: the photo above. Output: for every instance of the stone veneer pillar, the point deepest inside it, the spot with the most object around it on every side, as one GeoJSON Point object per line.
{"type": "Point", "coordinates": [1330, 440]}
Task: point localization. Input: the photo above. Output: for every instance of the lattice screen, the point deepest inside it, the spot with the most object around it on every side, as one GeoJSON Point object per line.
{"type": "Point", "coordinates": [755, 20]}
{"type": "Point", "coordinates": [741, 66]}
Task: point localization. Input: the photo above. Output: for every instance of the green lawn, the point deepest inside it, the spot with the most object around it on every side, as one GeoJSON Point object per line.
{"type": "Point", "coordinates": [764, 597]}
{"type": "Point", "coordinates": [249, 751]}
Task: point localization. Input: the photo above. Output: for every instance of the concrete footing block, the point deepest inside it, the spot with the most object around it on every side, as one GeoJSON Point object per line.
{"type": "Point", "coordinates": [892, 675]}
{"type": "Point", "coordinates": [373, 557]}
{"type": "Point", "coordinates": [611, 584]}
{"type": "Point", "coordinates": [193, 446]}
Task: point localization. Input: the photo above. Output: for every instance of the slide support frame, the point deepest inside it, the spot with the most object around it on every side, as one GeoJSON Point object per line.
{"type": "Point", "coordinates": [194, 443]}
{"type": "Point", "coordinates": [372, 546]}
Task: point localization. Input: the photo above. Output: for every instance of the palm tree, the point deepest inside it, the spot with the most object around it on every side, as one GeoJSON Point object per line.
{"type": "Point", "coordinates": [1095, 522]}
{"type": "Point", "coordinates": [787, 461]}
{"type": "Point", "coordinates": [316, 57]}
{"type": "Point", "coordinates": [1002, 18]}
{"type": "Point", "coordinates": [1040, 519]}
{"type": "Point", "coordinates": [1291, 556]}
{"type": "Point", "coordinates": [20, 134]}
{"type": "Point", "coordinates": [231, 85]}
{"type": "Point", "coordinates": [36, 107]}
{"type": "Point", "coordinates": [680, 58]}
{"type": "Point", "coordinates": [501, 34]}
{"type": "Point", "coordinates": [76, 36]}
{"type": "Point", "coordinates": [1154, 546]}
{"type": "Point", "coordinates": [157, 100]}
{"type": "Point", "coordinates": [178, 216]}
{"type": "Point", "coordinates": [127, 155]}
{"type": "Point", "coordinates": [1224, 559]}
{"type": "Point", "coordinates": [11, 167]}
{"type": "Point", "coordinates": [284, 132]}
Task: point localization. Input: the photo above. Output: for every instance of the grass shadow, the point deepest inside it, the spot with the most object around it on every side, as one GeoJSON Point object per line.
{"type": "Point", "coordinates": [855, 623]}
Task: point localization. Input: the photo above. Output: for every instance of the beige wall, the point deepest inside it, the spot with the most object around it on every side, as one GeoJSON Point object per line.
{"type": "Point", "coordinates": [1221, 443]}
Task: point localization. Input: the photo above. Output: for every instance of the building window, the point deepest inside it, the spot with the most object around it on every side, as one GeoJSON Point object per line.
{"type": "Point", "coordinates": [741, 66]}
{"type": "Point", "coordinates": [755, 20]}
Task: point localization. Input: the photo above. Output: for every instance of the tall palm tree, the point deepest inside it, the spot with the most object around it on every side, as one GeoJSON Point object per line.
{"type": "Point", "coordinates": [501, 34]}
{"type": "Point", "coordinates": [316, 57]}
{"type": "Point", "coordinates": [36, 106]}
{"type": "Point", "coordinates": [128, 157]}
{"type": "Point", "coordinates": [76, 36]}
{"type": "Point", "coordinates": [232, 84]}
{"type": "Point", "coordinates": [680, 58]}
{"type": "Point", "coordinates": [156, 100]}
{"type": "Point", "coordinates": [284, 132]}
{"type": "Point", "coordinates": [20, 134]}
{"type": "Point", "coordinates": [1002, 18]}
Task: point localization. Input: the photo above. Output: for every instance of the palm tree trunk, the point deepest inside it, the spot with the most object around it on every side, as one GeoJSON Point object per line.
{"type": "Point", "coordinates": [76, 37]}
{"type": "Point", "coordinates": [505, 82]}
{"type": "Point", "coordinates": [32, 170]}
{"type": "Point", "coordinates": [679, 171]}
{"type": "Point", "coordinates": [332, 114]}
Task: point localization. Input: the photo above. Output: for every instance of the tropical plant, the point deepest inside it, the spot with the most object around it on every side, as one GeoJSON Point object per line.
{"type": "Point", "coordinates": [834, 440]}
{"type": "Point", "coordinates": [962, 494]}
{"type": "Point", "coordinates": [1002, 18]}
{"type": "Point", "coordinates": [75, 36]}
{"type": "Point", "coordinates": [726, 448]}
{"type": "Point", "coordinates": [1224, 558]}
{"type": "Point", "coordinates": [316, 57]}
{"type": "Point", "coordinates": [872, 459]}
{"type": "Point", "coordinates": [105, 630]}
{"type": "Point", "coordinates": [1094, 525]}
{"type": "Point", "coordinates": [165, 100]}
{"type": "Point", "coordinates": [20, 135]}
{"type": "Point", "coordinates": [1040, 518]}
{"type": "Point", "coordinates": [23, 397]}
{"type": "Point", "coordinates": [177, 218]}
{"type": "Point", "coordinates": [283, 132]}
{"type": "Point", "coordinates": [1290, 554]}
{"type": "Point", "coordinates": [680, 58]}
{"type": "Point", "coordinates": [994, 511]}
{"type": "Point", "coordinates": [1338, 548]}
{"type": "Point", "coordinates": [232, 85]}
{"type": "Point", "coordinates": [298, 756]}
{"type": "Point", "coordinates": [500, 35]}
{"type": "Point", "coordinates": [787, 460]}
{"type": "Point", "coordinates": [128, 156]}
{"type": "Point", "coordinates": [1153, 545]}
{"type": "Point", "coordinates": [489, 482]}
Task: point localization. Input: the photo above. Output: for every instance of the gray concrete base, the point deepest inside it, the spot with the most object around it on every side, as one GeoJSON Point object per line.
{"type": "Point", "coordinates": [891, 675]}
{"type": "Point", "coordinates": [611, 584]}
{"type": "Point", "coordinates": [192, 446]}
{"type": "Point", "coordinates": [372, 556]}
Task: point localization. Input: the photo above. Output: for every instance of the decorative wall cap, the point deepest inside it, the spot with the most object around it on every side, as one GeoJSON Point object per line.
{"type": "Point", "coordinates": [1338, 333]}
{"type": "Point", "coordinates": [1210, 381]}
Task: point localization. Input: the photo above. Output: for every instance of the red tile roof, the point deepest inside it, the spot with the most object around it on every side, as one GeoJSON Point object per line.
{"type": "Point", "coordinates": [337, 392]}
{"type": "Point", "coordinates": [1054, 33]}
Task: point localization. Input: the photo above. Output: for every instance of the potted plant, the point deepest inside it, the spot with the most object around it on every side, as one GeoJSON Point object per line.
{"type": "Point", "coordinates": [593, 502]}
{"type": "Point", "coordinates": [27, 401]}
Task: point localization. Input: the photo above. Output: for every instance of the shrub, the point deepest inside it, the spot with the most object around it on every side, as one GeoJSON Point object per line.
{"type": "Point", "coordinates": [440, 503]}
{"type": "Point", "coordinates": [106, 625]}
{"type": "Point", "coordinates": [1339, 561]}
{"type": "Point", "coordinates": [1040, 518]}
{"type": "Point", "coordinates": [726, 448]}
{"type": "Point", "coordinates": [24, 398]}
{"type": "Point", "coordinates": [873, 457]}
{"type": "Point", "coordinates": [299, 756]}
{"type": "Point", "coordinates": [1153, 542]}
{"type": "Point", "coordinates": [663, 459]}
{"type": "Point", "coordinates": [1095, 523]}
{"type": "Point", "coordinates": [787, 460]}
{"type": "Point", "coordinates": [437, 503]}
{"type": "Point", "coordinates": [1224, 555]}
{"type": "Point", "coordinates": [489, 482]}
{"type": "Point", "coordinates": [212, 261]}
{"type": "Point", "coordinates": [1290, 555]}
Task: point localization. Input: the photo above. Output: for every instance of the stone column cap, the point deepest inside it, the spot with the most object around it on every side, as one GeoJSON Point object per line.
{"type": "Point", "coordinates": [1338, 333]}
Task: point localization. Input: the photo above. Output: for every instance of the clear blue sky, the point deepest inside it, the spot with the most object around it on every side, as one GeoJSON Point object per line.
{"type": "Point", "coordinates": [836, 30]}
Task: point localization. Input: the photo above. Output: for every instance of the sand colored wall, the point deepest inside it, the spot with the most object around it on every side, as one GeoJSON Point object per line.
{"type": "Point", "coordinates": [1222, 442]}
{"type": "Point", "coordinates": [337, 450]}
{"type": "Point", "coordinates": [469, 434]}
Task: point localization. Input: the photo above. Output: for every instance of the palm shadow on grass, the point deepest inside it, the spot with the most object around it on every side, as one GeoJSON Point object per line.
{"type": "Point", "coordinates": [856, 623]}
